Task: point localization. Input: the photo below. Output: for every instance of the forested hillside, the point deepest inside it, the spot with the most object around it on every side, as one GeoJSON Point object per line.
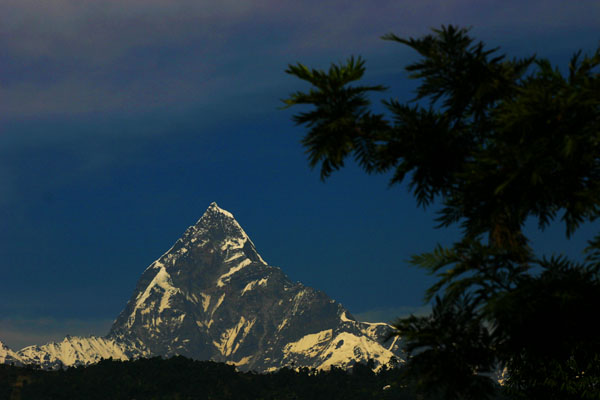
{"type": "Point", "coordinates": [182, 378]}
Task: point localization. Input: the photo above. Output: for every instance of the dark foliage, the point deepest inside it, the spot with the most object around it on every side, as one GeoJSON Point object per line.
{"type": "Point", "coordinates": [495, 141]}
{"type": "Point", "coordinates": [182, 378]}
{"type": "Point", "coordinates": [450, 355]}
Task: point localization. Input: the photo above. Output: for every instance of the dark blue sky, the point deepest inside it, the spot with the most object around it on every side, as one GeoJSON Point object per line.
{"type": "Point", "coordinates": [120, 121]}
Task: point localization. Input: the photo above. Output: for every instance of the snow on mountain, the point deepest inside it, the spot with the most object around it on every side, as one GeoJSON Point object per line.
{"type": "Point", "coordinates": [75, 351]}
{"type": "Point", "coordinates": [350, 342]}
{"type": "Point", "coordinates": [211, 296]}
{"type": "Point", "coordinates": [7, 356]}
{"type": "Point", "coordinates": [341, 349]}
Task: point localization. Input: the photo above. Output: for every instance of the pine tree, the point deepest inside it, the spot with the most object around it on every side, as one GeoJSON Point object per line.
{"type": "Point", "coordinates": [495, 141]}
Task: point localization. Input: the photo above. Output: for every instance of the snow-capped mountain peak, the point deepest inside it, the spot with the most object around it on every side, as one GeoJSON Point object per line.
{"type": "Point", "coordinates": [219, 222]}
{"type": "Point", "coordinates": [214, 208]}
{"type": "Point", "coordinates": [219, 229]}
{"type": "Point", "coordinates": [212, 296]}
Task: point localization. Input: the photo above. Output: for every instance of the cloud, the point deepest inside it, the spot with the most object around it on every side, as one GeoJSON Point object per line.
{"type": "Point", "coordinates": [68, 57]}
{"type": "Point", "coordinates": [17, 333]}
{"type": "Point", "coordinates": [390, 314]}
{"type": "Point", "coordinates": [104, 64]}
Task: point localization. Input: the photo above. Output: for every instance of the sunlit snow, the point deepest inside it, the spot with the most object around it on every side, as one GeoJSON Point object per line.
{"type": "Point", "coordinates": [205, 301]}
{"type": "Point", "coordinates": [251, 285]}
{"type": "Point", "coordinates": [233, 270]}
{"type": "Point", "coordinates": [229, 342]}
{"type": "Point", "coordinates": [310, 345]}
{"type": "Point", "coordinates": [161, 283]}
{"type": "Point", "coordinates": [346, 347]}
{"type": "Point", "coordinates": [74, 351]}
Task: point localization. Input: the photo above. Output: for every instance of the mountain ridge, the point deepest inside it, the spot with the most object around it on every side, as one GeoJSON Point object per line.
{"type": "Point", "coordinates": [211, 296]}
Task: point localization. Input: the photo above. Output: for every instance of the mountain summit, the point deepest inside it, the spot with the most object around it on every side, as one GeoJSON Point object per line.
{"type": "Point", "coordinates": [211, 296]}
{"type": "Point", "coordinates": [180, 298]}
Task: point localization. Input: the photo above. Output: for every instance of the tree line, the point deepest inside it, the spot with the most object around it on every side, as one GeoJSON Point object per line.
{"type": "Point", "coordinates": [184, 378]}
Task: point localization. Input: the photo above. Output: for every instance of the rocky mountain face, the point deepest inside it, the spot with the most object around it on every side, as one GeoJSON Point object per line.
{"type": "Point", "coordinates": [7, 356]}
{"type": "Point", "coordinates": [212, 296]}
{"type": "Point", "coordinates": [76, 351]}
{"type": "Point", "coordinates": [72, 351]}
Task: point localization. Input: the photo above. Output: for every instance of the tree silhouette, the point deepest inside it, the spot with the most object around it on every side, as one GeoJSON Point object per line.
{"type": "Point", "coordinates": [182, 378]}
{"type": "Point", "coordinates": [495, 141]}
